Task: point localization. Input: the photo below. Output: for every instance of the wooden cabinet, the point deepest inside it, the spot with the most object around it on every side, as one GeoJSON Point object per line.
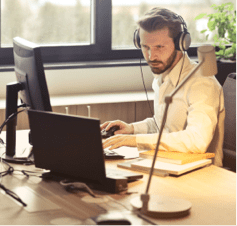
{"type": "Point", "coordinates": [72, 109]}
{"type": "Point", "coordinates": [109, 111]}
{"type": "Point", "coordinates": [126, 111]}
{"type": "Point", "coordinates": [144, 110]}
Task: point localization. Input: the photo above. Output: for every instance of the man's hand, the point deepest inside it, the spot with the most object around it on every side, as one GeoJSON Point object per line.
{"type": "Point", "coordinates": [124, 128]}
{"type": "Point", "coordinates": [119, 141]}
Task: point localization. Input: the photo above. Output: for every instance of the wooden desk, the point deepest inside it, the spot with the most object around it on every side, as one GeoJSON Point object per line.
{"type": "Point", "coordinates": [211, 190]}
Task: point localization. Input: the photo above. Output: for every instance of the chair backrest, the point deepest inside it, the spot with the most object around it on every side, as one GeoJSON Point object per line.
{"type": "Point", "coordinates": [229, 89]}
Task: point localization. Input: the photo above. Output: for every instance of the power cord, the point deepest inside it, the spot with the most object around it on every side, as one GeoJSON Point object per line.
{"type": "Point", "coordinates": [11, 117]}
{"type": "Point", "coordinates": [72, 186]}
{"type": "Point", "coordinates": [10, 170]}
{"type": "Point", "coordinates": [13, 195]}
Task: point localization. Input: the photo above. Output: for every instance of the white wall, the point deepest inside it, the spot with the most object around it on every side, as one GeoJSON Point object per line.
{"type": "Point", "coordinates": [89, 80]}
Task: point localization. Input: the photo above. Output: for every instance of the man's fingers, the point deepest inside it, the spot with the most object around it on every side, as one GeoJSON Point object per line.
{"type": "Point", "coordinates": [108, 125]}
{"type": "Point", "coordinates": [117, 145]}
{"type": "Point", "coordinates": [120, 140]}
{"type": "Point", "coordinates": [104, 125]}
{"type": "Point", "coordinates": [111, 141]}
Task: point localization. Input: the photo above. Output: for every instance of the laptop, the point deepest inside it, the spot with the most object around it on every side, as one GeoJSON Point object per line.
{"type": "Point", "coordinates": [71, 147]}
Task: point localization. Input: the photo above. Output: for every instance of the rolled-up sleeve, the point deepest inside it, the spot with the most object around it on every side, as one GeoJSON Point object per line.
{"type": "Point", "coordinates": [203, 101]}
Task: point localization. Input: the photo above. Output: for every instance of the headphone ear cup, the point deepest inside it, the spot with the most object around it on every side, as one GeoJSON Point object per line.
{"type": "Point", "coordinates": [186, 42]}
{"type": "Point", "coordinates": [136, 39]}
{"type": "Point", "coordinates": [182, 41]}
{"type": "Point", "coordinates": [176, 41]}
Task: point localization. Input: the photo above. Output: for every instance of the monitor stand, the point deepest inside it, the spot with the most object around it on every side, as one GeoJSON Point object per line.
{"type": "Point", "coordinates": [23, 152]}
{"type": "Point", "coordinates": [8, 152]}
{"type": "Point", "coordinates": [22, 156]}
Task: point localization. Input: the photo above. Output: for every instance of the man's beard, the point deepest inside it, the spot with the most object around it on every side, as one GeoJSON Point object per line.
{"type": "Point", "coordinates": [167, 65]}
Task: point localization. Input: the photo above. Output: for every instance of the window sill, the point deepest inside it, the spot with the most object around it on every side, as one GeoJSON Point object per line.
{"type": "Point", "coordinates": [95, 98]}
{"type": "Point", "coordinates": [88, 64]}
{"type": "Point", "coordinates": [84, 64]}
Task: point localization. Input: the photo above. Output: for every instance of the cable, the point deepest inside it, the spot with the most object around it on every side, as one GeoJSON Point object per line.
{"type": "Point", "coordinates": [144, 85]}
{"type": "Point", "coordinates": [181, 69]}
{"type": "Point", "coordinates": [1, 166]}
{"type": "Point", "coordinates": [13, 195]}
{"type": "Point", "coordinates": [152, 113]}
{"type": "Point", "coordinates": [11, 117]}
{"type": "Point", "coordinates": [76, 185]}
{"type": "Point", "coordinates": [10, 170]}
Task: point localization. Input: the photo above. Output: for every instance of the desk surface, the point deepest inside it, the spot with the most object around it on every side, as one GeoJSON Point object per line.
{"type": "Point", "coordinates": [211, 190]}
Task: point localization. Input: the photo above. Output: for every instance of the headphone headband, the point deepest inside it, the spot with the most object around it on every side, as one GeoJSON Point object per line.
{"type": "Point", "coordinates": [182, 41]}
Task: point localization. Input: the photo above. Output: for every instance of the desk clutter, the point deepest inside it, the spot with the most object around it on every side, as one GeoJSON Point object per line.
{"type": "Point", "coordinates": [176, 157]}
{"type": "Point", "coordinates": [82, 207]}
{"type": "Point", "coordinates": [168, 163]}
{"type": "Point", "coordinates": [77, 206]}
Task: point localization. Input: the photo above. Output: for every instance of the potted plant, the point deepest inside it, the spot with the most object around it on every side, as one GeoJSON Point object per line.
{"type": "Point", "coordinates": [222, 23]}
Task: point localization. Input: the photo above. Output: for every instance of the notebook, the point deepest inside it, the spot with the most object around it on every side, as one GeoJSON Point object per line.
{"type": "Point", "coordinates": [71, 146]}
{"type": "Point", "coordinates": [176, 157]}
{"type": "Point", "coordinates": [163, 168]}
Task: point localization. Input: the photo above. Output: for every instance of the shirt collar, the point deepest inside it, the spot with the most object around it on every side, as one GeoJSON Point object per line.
{"type": "Point", "coordinates": [174, 74]}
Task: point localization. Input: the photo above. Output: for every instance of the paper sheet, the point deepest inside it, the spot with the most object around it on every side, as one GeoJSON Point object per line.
{"type": "Point", "coordinates": [128, 152]}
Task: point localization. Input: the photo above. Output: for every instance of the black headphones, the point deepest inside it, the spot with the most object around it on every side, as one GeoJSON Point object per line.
{"type": "Point", "coordinates": [182, 41]}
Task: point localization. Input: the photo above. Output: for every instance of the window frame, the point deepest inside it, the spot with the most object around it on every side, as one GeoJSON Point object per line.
{"type": "Point", "coordinates": [99, 50]}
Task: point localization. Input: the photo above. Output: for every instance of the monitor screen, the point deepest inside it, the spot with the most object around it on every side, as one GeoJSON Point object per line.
{"type": "Point", "coordinates": [31, 87]}
{"type": "Point", "coordinates": [30, 74]}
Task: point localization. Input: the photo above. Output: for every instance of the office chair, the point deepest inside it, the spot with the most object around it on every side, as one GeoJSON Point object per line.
{"type": "Point", "coordinates": [229, 146]}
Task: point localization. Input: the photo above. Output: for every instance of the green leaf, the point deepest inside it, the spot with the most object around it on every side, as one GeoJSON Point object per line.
{"type": "Point", "coordinates": [220, 53]}
{"type": "Point", "coordinates": [200, 16]}
{"type": "Point", "coordinates": [231, 6]}
{"type": "Point", "coordinates": [207, 36]}
{"type": "Point", "coordinates": [203, 31]}
{"type": "Point", "coordinates": [221, 31]}
{"type": "Point", "coordinates": [229, 51]}
{"type": "Point", "coordinates": [222, 47]}
{"type": "Point", "coordinates": [217, 16]}
{"type": "Point", "coordinates": [230, 17]}
{"type": "Point", "coordinates": [216, 39]}
{"type": "Point", "coordinates": [214, 6]}
{"type": "Point", "coordinates": [211, 25]}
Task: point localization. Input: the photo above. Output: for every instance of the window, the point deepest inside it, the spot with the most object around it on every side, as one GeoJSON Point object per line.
{"type": "Point", "coordinates": [125, 14]}
{"type": "Point", "coordinates": [67, 30]}
{"type": "Point", "coordinates": [88, 30]}
{"type": "Point", "coordinates": [47, 22]}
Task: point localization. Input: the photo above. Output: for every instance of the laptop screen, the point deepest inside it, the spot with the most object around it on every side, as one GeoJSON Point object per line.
{"type": "Point", "coordinates": [68, 145]}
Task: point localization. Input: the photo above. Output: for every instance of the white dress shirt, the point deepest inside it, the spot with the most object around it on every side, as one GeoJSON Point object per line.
{"type": "Point", "coordinates": [195, 120]}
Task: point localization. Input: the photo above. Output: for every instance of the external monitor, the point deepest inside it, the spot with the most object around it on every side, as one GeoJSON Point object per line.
{"type": "Point", "coordinates": [30, 74]}
{"type": "Point", "coordinates": [31, 86]}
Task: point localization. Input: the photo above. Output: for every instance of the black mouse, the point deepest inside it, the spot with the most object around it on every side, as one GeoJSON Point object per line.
{"type": "Point", "coordinates": [110, 132]}
{"type": "Point", "coordinates": [112, 218]}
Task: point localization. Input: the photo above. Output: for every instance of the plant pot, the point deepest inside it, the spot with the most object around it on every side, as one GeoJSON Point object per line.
{"type": "Point", "coordinates": [224, 67]}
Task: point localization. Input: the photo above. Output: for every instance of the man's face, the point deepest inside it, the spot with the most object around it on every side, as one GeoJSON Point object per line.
{"type": "Point", "coordinates": [158, 50]}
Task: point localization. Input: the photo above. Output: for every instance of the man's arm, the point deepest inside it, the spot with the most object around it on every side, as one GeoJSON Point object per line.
{"type": "Point", "coordinates": [206, 102]}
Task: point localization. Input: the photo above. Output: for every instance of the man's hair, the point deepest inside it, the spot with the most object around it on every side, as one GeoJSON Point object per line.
{"type": "Point", "coordinates": [159, 18]}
